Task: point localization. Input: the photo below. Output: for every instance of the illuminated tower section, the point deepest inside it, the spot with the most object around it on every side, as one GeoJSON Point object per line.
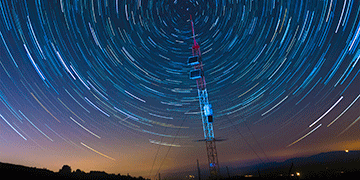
{"type": "Point", "coordinates": [205, 107]}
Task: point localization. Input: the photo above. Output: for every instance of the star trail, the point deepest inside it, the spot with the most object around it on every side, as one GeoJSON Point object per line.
{"type": "Point", "coordinates": [104, 84]}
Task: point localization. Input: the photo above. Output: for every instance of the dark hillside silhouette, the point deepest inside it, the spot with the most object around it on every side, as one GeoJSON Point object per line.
{"type": "Point", "coordinates": [22, 172]}
{"type": "Point", "coordinates": [329, 165]}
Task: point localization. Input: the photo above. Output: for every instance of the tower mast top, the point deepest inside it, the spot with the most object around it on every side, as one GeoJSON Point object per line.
{"type": "Point", "coordinates": [196, 45]}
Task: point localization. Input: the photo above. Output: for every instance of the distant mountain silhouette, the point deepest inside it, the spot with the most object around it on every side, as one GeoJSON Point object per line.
{"type": "Point", "coordinates": [329, 165]}
{"type": "Point", "coordinates": [13, 171]}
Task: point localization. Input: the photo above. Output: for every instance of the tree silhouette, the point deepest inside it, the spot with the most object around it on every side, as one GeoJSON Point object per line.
{"type": "Point", "coordinates": [65, 169]}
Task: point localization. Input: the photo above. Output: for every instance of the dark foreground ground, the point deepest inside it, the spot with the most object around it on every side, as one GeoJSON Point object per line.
{"type": "Point", "coordinates": [331, 165]}
{"type": "Point", "coordinates": [17, 172]}
{"type": "Point", "coordinates": [320, 176]}
{"type": "Point", "coordinates": [10, 171]}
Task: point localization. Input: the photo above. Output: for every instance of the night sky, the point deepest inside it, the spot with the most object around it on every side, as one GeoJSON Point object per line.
{"type": "Point", "coordinates": [104, 85]}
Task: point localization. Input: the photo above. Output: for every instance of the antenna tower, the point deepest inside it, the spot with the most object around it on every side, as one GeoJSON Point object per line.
{"type": "Point", "coordinates": [205, 107]}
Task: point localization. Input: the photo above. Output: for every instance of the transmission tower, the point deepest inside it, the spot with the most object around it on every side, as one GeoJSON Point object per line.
{"type": "Point", "coordinates": [205, 107]}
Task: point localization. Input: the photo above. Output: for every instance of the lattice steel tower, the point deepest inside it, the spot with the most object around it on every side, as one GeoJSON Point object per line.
{"type": "Point", "coordinates": [205, 107]}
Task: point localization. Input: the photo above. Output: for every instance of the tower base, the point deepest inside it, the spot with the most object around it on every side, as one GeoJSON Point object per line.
{"type": "Point", "coordinates": [213, 159]}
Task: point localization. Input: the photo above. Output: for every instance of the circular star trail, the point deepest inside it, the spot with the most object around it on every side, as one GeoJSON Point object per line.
{"type": "Point", "coordinates": [108, 80]}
